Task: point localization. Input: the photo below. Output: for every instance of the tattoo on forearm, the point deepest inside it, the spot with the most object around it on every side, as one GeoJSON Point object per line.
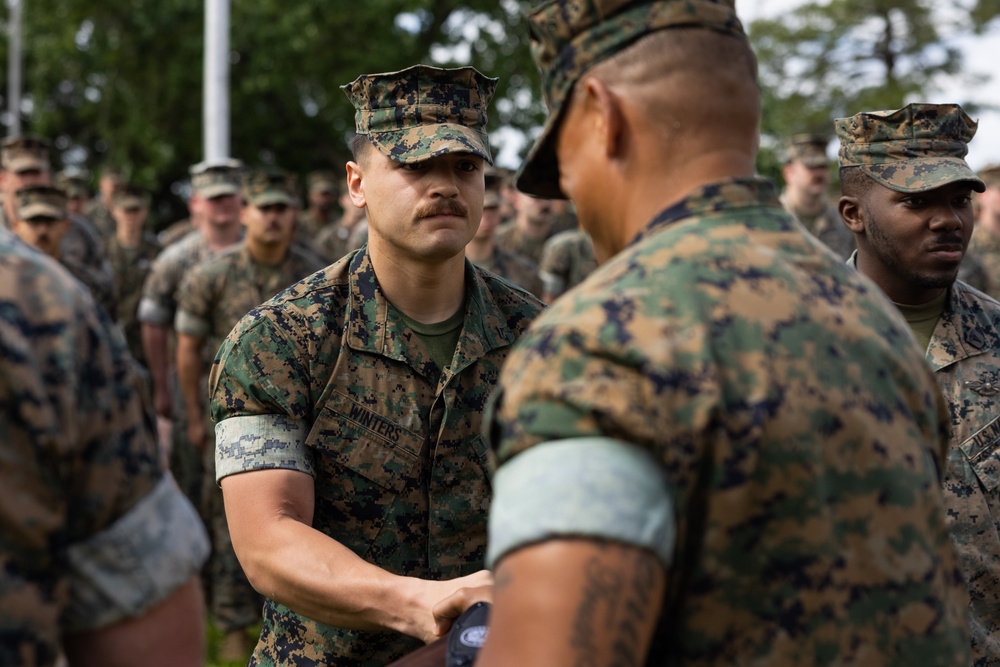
{"type": "Point", "coordinates": [602, 588]}
{"type": "Point", "coordinates": [616, 603]}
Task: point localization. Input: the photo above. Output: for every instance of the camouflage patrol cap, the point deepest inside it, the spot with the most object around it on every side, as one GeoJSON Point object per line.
{"type": "Point", "coordinates": [73, 183]}
{"type": "Point", "coordinates": [217, 178]}
{"type": "Point", "coordinates": [25, 153]}
{"type": "Point", "coordinates": [129, 196]}
{"type": "Point", "coordinates": [422, 112]}
{"type": "Point", "coordinates": [322, 181]}
{"type": "Point", "coordinates": [809, 149]}
{"type": "Point", "coordinates": [990, 175]}
{"type": "Point", "coordinates": [917, 148]}
{"type": "Point", "coordinates": [40, 201]}
{"type": "Point", "coordinates": [264, 187]}
{"type": "Point", "coordinates": [568, 37]}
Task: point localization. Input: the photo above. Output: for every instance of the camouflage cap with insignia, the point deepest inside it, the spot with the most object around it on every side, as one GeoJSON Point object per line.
{"type": "Point", "coordinates": [322, 181]}
{"type": "Point", "coordinates": [75, 183]}
{"type": "Point", "coordinates": [422, 112]}
{"type": "Point", "coordinates": [129, 196]}
{"type": "Point", "coordinates": [265, 187]}
{"type": "Point", "coordinates": [217, 178]}
{"type": "Point", "coordinates": [25, 153]}
{"type": "Point", "coordinates": [40, 201]}
{"type": "Point", "coordinates": [809, 149]}
{"type": "Point", "coordinates": [917, 148]}
{"type": "Point", "coordinates": [568, 37]}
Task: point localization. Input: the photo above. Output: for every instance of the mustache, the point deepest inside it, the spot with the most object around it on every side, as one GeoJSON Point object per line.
{"type": "Point", "coordinates": [443, 207]}
{"type": "Point", "coordinates": [949, 241]}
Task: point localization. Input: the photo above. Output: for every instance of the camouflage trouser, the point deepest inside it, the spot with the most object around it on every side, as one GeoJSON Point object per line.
{"type": "Point", "coordinates": [185, 460]}
{"type": "Point", "coordinates": [232, 601]}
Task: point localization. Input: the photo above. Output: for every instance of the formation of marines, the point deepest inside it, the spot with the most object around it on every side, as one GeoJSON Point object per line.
{"type": "Point", "coordinates": [650, 408]}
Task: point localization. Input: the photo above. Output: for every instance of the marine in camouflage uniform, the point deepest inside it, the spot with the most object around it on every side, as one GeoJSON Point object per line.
{"type": "Point", "coordinates": [486, 254]}
{"type": "Point", "coordinates": [131, 252]}
{"type": "Point", "coordinates": [99, 210]}
{"type": "Point", "coordinates": [986, 237]}
{"type": "Point", "coordinates": [25, 161]}
{"type": "Point", "coordinates": [92, 531]}
{"type": "Point", "coordinates": [567, 259]}
{"type": "Point", "coordinates": [321, 190]}
{"type": "Point", "coordinates": [212, 298]}
{"type": "Point", "coordinates": [722, 447]}
{"type": "Point", "coordinates": [807, 181]}
{"type": "Point", "coordinates": [919, 151]}
{"type": "Point", "coordinates": [219, 182]}
{"type": "Point", "coordinates": [75, 183]}
{"type": "Point", "coordinates": [42, 205]}
{"type": "Point", "coordinates": [526, 234]}
{"type": "Point", "coordinates": [348, 411]}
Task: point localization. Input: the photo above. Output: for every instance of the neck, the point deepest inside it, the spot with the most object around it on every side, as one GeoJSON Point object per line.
{"type": "Point", "coordinates": [647, 191]}
{"type": "Point", "coordinates": [271, 254]}
{"type": "Point", "coordinates": [479, 249]}
{"type": "Point", "coordinates": [128, 237]}
{"type": "Point", "coordinates": [804, 202]}
{"type": "Point", "coordinates": [219, 237]}
{"type": "Point", "coordinates": [427, 292]}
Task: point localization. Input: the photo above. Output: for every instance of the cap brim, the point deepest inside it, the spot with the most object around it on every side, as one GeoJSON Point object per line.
{"type": "Point", "coordinates": [41, 211]}
{"type": "Point", "coordinates": [270, 199]}
{"type": "Point", "coordinates": [130, 202]}
{"type": "Point", "coordinates": [539, 173]}
{"type": "Point", "coordinates": [923, 174]}
{"type": "Point", "coordinates": [26, 163]}
{"type": "Point", "coordinates": [421, 143]}
{"type": "Point", "coordinates": [217, 190]}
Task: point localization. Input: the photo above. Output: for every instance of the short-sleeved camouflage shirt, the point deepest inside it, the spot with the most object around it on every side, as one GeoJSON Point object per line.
{"type": "Point", "coordinates": [510, 237]}
{"type": "Point", "coordinates": [567, 259]}
{"type": "Point", "coordinates": [215, 294]}
{"type": "Point", "coordinates": [130, 267]}
{"type": "Point", "coordinates": [159, 293]}
{"type": "Point", "coordinates": [327, 379]}
{"type": "Point", "coordinates": [516, 268]}
{"type": "Point", "coordinates": [82, 489]}
{"type": "Point", "coordinates": [796, 425]}
{"type": "Point", "coordinates": [965, 353]}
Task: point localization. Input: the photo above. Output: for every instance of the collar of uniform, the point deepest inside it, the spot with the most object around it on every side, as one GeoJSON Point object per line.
{"type": "Point", "coordinates": [374, 329]}
{"type": "Point", "coordinates": [721, 196]}
{"type": "Point", "coordinates": [965, 329]}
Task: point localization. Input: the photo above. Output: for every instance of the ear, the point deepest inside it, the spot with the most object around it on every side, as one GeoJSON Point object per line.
{"type": "Point", "coordinates": [355, 184]}
{"type": "Point", "coordinates": [605, 108]}
{"type": "Point", "coordinates": [852, 214]}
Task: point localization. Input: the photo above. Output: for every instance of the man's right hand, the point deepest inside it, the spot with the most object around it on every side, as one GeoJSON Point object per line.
{"type": "Point", "coordinates": [444, 601]}
{"type": "Point", "coordinates": [196, 432]}
{"type": "Point", "coordinates": [163, 403]}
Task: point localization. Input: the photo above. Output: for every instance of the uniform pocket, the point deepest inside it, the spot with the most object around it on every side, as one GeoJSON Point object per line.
{"type": "Point", "coordinates": [983, 453]}
{"type": "Point", "coordinates": [364, 461]}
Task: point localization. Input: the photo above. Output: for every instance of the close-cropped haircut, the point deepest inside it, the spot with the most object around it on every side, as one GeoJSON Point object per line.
{"type": "Point", "coordinates": [855, 183]}
{"type": "Point", "coordinates": [360, 145]}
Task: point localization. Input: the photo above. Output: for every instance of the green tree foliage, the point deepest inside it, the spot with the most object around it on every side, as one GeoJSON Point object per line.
{"type": "Point", "coordinates": [830, 59]}
{"type": "Point", "coordinates": [120, 83]}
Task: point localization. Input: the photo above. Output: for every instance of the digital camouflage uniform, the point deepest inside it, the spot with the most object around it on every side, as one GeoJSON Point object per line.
{"type": "Point", "coordinates": [914, 149]}
{"type": "Point", "coordinates": [130, 267]}
{"type": "Point", "coordinates": [987, 249]}
{"type": "Point", "coordinates": [335, 240]}
{"type": "Point", "coordinates": [91, 529]}
{"type": "Point", "coordinates": [810, 150]}
{"type": "Point", "coordinates": [567, 259]}
{"type": "Point", "coordinates": [327, 379]}
{"type": "Point", "coordinates": [312, 222]}
{"type": "Point", "coordinates": [787, 411]}
{"type": "Point", "coordinates": [510, 237]}
{"type": "Point", "coordinates": [513, 267]}
{"type": "Point", "coordinates": [211, 300]}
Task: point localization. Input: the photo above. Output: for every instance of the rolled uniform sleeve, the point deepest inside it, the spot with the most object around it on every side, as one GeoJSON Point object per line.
{"type": "Point", "coordinates": [260, 400]}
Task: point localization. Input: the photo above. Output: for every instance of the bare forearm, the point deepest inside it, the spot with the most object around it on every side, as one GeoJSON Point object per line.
{"type": "Point", "coordinates": [154, 343]}
{"type": "Point", "coordinates": [189, 373]}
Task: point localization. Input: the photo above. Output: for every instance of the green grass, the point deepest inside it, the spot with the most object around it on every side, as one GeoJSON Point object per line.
{"type": "Point", "coordinates": [213, 638]}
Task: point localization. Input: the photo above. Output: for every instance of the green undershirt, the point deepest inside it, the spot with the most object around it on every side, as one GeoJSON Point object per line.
{"type": "Point", "coordinates": [441, 338]}
{"type": "Point", "coordinates": [924, 318]}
